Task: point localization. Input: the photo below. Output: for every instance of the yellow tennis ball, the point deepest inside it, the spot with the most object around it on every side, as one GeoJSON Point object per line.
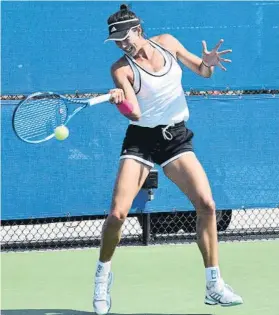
{"type": "Point", "coordinates": [61, 132]}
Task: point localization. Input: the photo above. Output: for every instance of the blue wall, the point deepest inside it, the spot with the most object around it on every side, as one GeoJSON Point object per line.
{"type": "Point", "coordinates": [236, 139]}
{"type": "Point", "coordinates": [58, 46]}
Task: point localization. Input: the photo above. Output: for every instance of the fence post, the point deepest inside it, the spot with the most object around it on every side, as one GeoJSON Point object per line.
{"type": "Point", "coordinates": [146, 228]}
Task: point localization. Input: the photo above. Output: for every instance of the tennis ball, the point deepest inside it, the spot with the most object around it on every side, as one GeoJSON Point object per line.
{"type": "Point", "coordinates": [61, 132]}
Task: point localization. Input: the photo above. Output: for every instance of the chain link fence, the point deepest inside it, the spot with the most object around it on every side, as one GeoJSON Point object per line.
{"type": "Point", "coordinates": [191, 92]}
{"type": "Point", "coordinates": [233, 225]}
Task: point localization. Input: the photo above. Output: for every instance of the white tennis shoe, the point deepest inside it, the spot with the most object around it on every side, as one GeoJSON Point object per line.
{"type": "Point", "coordinates": [219, 293]}
{"type": "Point", "coordinates": [102, 299]}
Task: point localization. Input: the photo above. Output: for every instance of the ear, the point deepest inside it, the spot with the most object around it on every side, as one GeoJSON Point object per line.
{"type": "Point", "coordinates": [139, 30]}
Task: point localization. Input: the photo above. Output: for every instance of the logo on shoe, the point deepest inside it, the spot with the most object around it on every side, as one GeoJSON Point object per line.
{"type": "Point", "coordinates": [99, 269]}
{"type": "Point", "coordinates": [213, 274]}
{"type": "Point", "coordinates": [216, 296]}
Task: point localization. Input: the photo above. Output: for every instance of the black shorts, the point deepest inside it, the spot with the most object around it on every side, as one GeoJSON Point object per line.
{"type": "Point", "coordinates": [154, 145]}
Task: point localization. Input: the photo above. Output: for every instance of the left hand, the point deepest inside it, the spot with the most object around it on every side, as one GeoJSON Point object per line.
{"type": "Point", "coordinates": [213, 57]}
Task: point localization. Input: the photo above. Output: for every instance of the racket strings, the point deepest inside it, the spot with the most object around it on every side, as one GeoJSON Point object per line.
{"type": "Point", "coordinates": [37, 118]}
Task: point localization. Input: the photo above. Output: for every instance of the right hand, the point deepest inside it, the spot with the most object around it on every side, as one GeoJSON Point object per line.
{"type": "Point", "coordinates": [117, 96]}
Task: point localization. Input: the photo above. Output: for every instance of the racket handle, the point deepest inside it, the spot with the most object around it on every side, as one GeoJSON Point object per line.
{"type": "Point", "coordinates": [125, 108]}
{"type": "Point", "coordinates": [99, 99]}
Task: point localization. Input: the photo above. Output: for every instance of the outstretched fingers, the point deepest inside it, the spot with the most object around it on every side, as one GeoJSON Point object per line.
{"type": "Point", "coordinates": [204, 46]}
{"type": "Point", "coordinates": [221, 66]}
{"type": "Point", "coordinates": [226, 51]}
{"type": "Point", "coordinates": [225, 60]}
{"type": "Point", "coordinates": [218, 45]}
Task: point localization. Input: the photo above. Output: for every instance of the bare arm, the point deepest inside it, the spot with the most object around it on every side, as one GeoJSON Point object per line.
{"type": "Point", "coordinates": [189, 60]}
{"type": "Point", "coordinates": [203, 66]}
{"type": "Point", "coordinates": [121, 81]}
{"type": "Point", "coordinates": [193, 62]}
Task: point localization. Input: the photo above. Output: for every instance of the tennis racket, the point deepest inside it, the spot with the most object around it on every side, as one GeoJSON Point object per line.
{"type": "Point", "coordinates": [36, 117]}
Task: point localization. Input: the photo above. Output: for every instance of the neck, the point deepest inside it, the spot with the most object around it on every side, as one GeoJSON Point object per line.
{"type": "Point", "coordinates": [146, 51]}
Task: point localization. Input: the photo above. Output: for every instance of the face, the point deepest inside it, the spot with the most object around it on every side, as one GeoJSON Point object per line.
{"type": "Point", "coordinates": [130, 45]}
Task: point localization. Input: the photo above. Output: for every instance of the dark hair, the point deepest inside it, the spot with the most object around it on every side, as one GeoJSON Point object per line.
{"type": "Point", "coordinates": [122, 15]}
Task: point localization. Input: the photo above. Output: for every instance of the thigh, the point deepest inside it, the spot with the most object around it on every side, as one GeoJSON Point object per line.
{"type": "Point", "coordinates": [188, 174]}
{"type": "Point", "coordinates": [130, 178]}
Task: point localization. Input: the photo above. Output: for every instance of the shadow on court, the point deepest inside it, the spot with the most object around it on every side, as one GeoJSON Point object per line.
{"type": "Point", "coordinates": [73, 312]}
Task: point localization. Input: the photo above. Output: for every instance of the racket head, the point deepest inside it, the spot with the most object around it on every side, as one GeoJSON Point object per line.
{"type": "Point", "coordinates": [36, 117]}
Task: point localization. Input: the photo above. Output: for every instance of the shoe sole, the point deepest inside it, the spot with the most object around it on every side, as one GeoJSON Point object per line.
{"type": "Point", "coordinates": [212, 303]}
{"type": "Point", "coordinates": [109, 287]}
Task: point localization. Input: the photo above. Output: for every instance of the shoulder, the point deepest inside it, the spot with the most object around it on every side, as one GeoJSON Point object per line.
{"type": "Point", "coordinates": [120, 68]}
{"type": "Point", "coordinates": [119, 65]}
{"type": "Point", "coordinates": [167, 41]}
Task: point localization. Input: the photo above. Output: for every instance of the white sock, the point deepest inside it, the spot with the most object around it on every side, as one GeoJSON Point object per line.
{"type": "Point", "coordinates": [103, 268]}
{"type": "Point", "coordinates": [212, 273]}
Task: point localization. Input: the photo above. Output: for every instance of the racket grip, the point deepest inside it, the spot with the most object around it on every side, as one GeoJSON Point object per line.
{"type": "Point", "coordinates": [99, 99]}
{"type": "Point", "coordinates": [125, 107]}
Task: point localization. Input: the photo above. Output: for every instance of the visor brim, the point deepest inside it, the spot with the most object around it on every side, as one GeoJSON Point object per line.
{"type": "Point", "coordinates": [118, 36]}
{"type": "Point", "coordinates": [122, 35]}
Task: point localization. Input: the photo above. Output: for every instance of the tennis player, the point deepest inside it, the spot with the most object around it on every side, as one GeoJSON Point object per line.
{"type": "Point", "coordinates": [148, 83]}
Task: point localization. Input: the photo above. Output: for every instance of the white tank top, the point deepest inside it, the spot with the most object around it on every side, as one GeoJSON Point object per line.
{"type": "Point", "coordinates": [160, 94]}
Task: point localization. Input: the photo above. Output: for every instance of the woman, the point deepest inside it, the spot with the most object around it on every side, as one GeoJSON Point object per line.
{"type": "Point", "coordinates": [150, 94]}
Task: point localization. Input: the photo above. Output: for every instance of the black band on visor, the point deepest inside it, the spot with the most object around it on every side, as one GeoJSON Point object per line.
{"type": "Point", "coordinates": [120, 30]}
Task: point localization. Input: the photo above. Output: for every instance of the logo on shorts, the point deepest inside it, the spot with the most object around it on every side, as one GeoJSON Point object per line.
{"type": "Point", "coordinates": [125, 151]}
{"type": "Point", "coordinates": [113, 29]}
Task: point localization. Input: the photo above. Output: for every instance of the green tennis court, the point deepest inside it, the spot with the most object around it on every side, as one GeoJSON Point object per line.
{"type": "Point", "coordinates": [166, 279]}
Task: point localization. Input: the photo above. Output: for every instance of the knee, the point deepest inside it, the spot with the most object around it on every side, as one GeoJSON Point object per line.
{"type": "Point", "coordinates": [112, 223]}
{"type": "Point", "coordinates": [206, 206]}
{"type": "Point", "coordinates": [115, 219]}
{"type": "Point", "coordinates": [120, 209]}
